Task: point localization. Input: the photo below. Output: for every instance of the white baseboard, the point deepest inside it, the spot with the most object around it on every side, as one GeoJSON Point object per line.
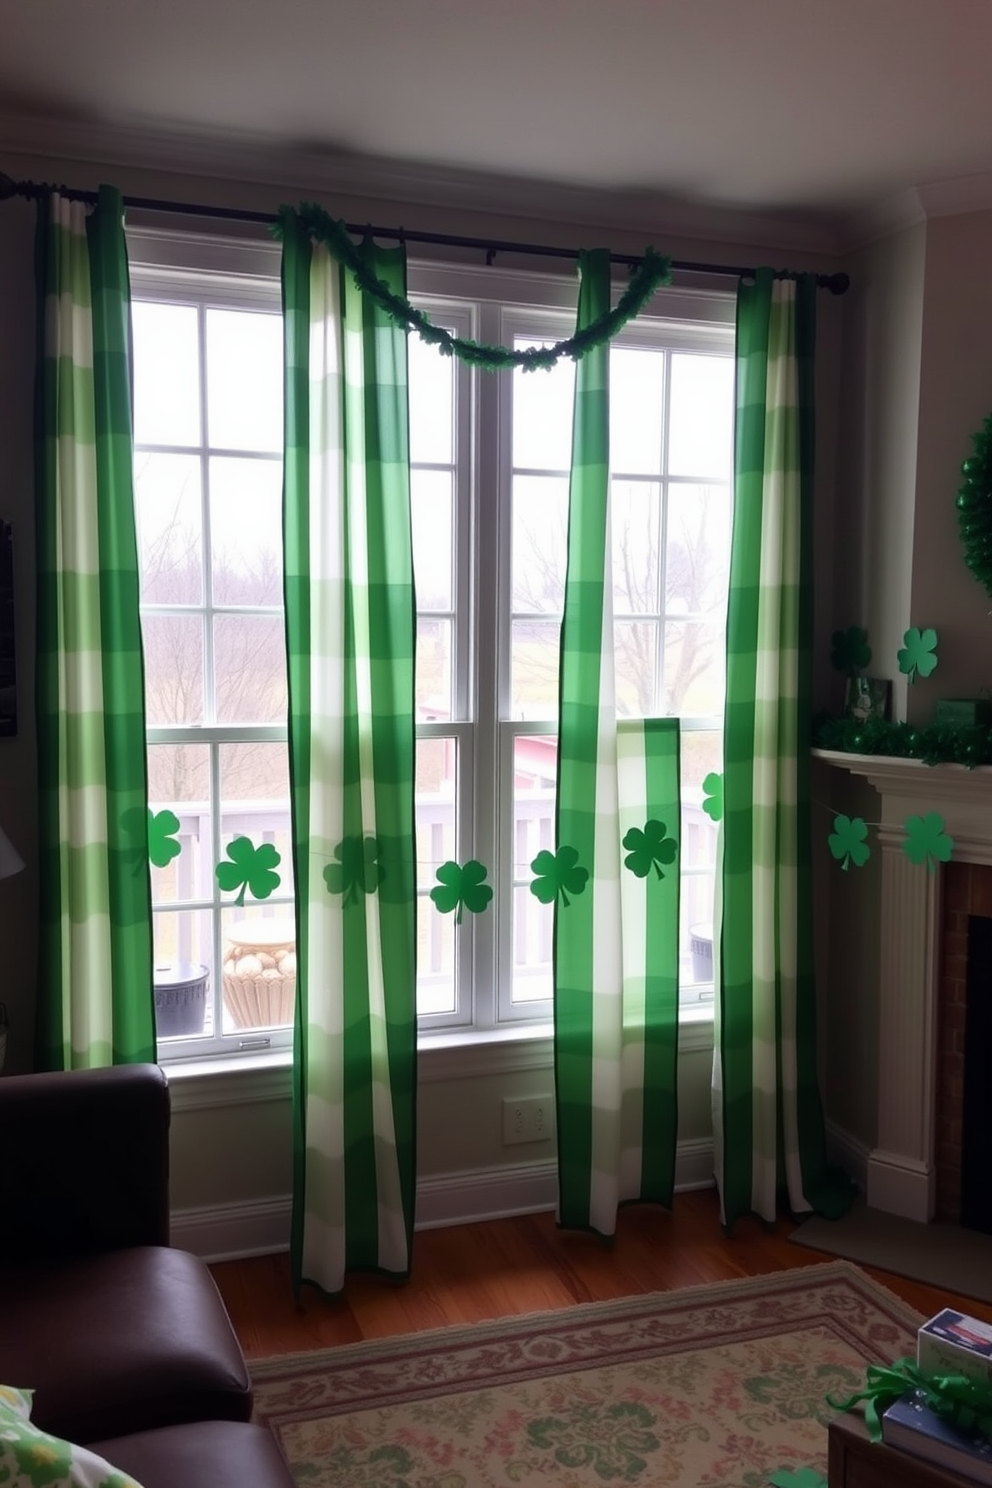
{"type": "Point", "coordinates": [224, 1232]}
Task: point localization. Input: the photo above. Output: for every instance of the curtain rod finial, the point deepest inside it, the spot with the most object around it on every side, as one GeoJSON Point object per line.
{"type": "Point", "coordinates": [837, 284]}
{"type": "Point", "coordinates": [8, 187]}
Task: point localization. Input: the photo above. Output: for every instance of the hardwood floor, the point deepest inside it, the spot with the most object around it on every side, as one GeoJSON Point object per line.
{"type": "Point", "coordinates": [467, 1273]}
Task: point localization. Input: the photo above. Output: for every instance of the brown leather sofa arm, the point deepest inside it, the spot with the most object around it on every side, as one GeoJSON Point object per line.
{"type": "Point", "coordinates": [85, 1161]}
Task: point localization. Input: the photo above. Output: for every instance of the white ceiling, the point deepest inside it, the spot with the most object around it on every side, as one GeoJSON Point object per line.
{"type": "Point", "coordinates": [792, 105]}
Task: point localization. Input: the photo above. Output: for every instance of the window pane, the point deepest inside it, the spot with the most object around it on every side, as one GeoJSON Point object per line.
{"type": "Point", "coordinates": [433, 669]}
{"type": "Point", "coordinates": [534, 774]}
{"type": "Point", "coordinates": [179, 781]}
{"type": "Point", "coordinates": [431, 403]}
{"type": "Point", "coordinates": [436, 800]}
{"type": "Point", "coordinates": [636, 646]}
{"type": "Point", "coordinates": [244, 380]}
{"type": "Point", "coordinates": [535, 668]}
{"type": "Point", "coordinates": [540, 542]}
{"type": "Point", "coordinates": [182, 973]}
{"type": "Point", "coordinates": [694, 669]}
{"type": "Point", "coordinates": [250, 669]}
{"type": "Point", "coordinates": [542, 414]}
{"type": "Point", "coordinates": [636, 409]}
{"type": "Point", "coordinates": [168, 516]}
{"type": "Point", "coordinates": [636, 511]}
{"type": "Point", "coordinates": [254, 786]}
{"type": "Point", "coordinates": [433, 558]}
{"type": "Point", "coordinates": [259, 969]}
{"type": "Point", "coordinates": [166, 374]}
{"type": "Point", "coordinates": [246, 531]}
{"type": "Point", "coordinates": [173, 648]}
{"type": "Point", "coordinates": [697, 558]}
{"type": "Point", "coordinates": [702, 755]}
{"type": "Point", "coordinates": [702, 416]}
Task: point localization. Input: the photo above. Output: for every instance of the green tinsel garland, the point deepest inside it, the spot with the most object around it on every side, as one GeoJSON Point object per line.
{"type": "Point", "coordinates": [934, 744]}
{"type": "Point", "coordinates": [652, 272]}
{"type": "Point", "coordinates": [974, 504]}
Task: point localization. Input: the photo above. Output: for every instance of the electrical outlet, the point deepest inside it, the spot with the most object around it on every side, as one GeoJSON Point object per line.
{"type": "Point", "coordinates": [530, 1119]}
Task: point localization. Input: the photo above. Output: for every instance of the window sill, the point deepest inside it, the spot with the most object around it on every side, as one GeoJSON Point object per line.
{"type": "Point", "coordinates": [197, 1085]}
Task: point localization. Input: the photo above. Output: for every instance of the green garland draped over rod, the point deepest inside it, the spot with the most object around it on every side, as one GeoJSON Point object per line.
{"type": "Point", "coordinates": [653, 271]}
{"type": "Point", "coordinates": [649, 271]}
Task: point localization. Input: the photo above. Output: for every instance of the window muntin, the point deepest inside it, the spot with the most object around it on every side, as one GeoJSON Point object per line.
{"type": "Point", "coordinates": [489, 486]}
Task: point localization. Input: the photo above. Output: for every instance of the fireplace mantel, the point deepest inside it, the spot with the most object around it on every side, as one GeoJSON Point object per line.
{"type": "Point", "coordinates": [902, 1167]}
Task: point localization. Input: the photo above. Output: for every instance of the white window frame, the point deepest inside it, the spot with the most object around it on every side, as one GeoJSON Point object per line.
{"type": "Point", "coordinates": [489, 305]}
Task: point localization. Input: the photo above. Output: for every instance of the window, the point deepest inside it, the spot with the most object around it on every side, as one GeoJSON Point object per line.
{"type": "Point", "coordinates": [489, 484]}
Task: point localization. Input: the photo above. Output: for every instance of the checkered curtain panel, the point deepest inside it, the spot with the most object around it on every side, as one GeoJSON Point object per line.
{"type": "Point", "coordinates": [95, 998]}
{"type": "Point", "coordinates": [616, 941]}
{"type": "Point", "coordinates": [350, 626]}
{"type": "Point", "coordinates": [768, 1120]}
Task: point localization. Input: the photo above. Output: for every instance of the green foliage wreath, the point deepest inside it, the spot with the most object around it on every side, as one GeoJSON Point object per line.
{"type": "Point", "coordinates": [974, 504]}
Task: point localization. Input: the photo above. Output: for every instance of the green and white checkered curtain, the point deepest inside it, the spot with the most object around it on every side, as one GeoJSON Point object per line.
{"type": "Point", "coordinates": [350, 625]}
{"type": "Point", "coordinates": [95, 997]}
{"type": "Point", "coordinates": [616, 941]}
{"type": "Point", "coordinates": [767, 1115]}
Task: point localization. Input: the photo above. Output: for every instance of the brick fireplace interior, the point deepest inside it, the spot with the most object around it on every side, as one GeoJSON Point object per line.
{"type": "Point", "coordinates": [967, 891]}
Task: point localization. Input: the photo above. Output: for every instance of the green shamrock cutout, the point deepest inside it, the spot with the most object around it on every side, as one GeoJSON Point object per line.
{"type": "Point", "coordinates": [462, 888]}
{"type": "Point", "coordinates": [917, 654]}
{"type": "Point", "coordinates": [558, 874]}
{"type": "Point", "coordinates": [250, 868]}
{"type": "Point", "coordinates": [847, 841]}
{"type": "Point", "coordinates": [803, 1477]}
{"type": "Point", "coordinates": [162, 844]}
{"type": "Point", "coordinates": [356, 871]}
{"type": "Point", "coordinates": [713, 791]}
{"type": "Point", "coordinates": [649, 848]}
{"type": "Point", "coordinates": [926, 840]}
{"type": "Point", "coordinates": [850, 651]}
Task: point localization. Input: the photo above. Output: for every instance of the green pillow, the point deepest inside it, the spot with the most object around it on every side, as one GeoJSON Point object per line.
{"type": "Point", "coordinates": [30, 1458]}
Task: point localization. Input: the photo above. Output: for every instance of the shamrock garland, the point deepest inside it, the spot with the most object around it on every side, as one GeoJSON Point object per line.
{"type": "Point", "coordinates": [356, 870]}
{"type": "Point", "coordinates": [462, 887]}
{"type": "Point", "coordinates": [162, 845]}
{"type": "Point", "coordinates": [648, 848]}
{"type": "Point", "coordinates": [713, 796]}
{"type": "Point", "coordinates": [850, 651]}
{"type": "Point", "coordinates": [974, 504]}
{"type": "Point", "coordinates": [926, 841]}
{"type": "Point", "coordinates": [250, 869]}
{"type": "Point", "coordinates": [918, 653]}
{"type": "Point", "coordinates": [558, 875]}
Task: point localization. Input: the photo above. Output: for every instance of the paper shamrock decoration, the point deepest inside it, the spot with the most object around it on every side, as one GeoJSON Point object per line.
{"type": "Point", "coordinates": [356, 871]}
{"type": "Point", "coordinates": [162, 844]}
{"type": "Point", "coordinates": [558, 875]}
{"type": "Point", "coordinates": [648, 848]}
{"type": "Point", "coordinates": [713, 793]}
{"type": "Point", "coordinates": [926, 840]}
{"type": "Point", "coordinates": [850, 651]}
{"type": "Point", "coordinates": [250, 868]}
{"type": "Point", "coordinates": [803, 1477]}
{"type": "Point", "coordinates": [918, 653]}
{"type": "Point", "coordinates": [462, 888]}
{"type": "Point", "coordinates": [847, 841]}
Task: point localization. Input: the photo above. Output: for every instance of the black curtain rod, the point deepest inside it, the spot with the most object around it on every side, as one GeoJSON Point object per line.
{"type": "Point", "coordinates": [837, 284]}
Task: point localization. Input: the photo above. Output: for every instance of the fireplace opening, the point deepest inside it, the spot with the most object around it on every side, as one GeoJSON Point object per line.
{"type": "Point", "coordinates": [976, 1094]}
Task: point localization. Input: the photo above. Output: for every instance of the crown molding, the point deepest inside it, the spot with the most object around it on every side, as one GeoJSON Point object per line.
{"type": "Point", "coordinates": [957, 196]}
{"type": "Point", "coordinates": [261, 162]}
{"type": "Point", "coordinates": [895, 214]}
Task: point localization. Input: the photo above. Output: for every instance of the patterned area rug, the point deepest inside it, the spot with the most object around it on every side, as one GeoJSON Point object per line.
{"type": "Point", "coordinates": [717, 1386]}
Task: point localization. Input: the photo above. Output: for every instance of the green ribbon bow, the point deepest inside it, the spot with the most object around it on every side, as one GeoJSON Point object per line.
{"type": "Point", "coordinates": [965, 1403]}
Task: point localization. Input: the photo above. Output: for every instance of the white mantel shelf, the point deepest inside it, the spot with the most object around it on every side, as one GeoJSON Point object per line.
{"type": "Point", "coordinates": [901, 1167]}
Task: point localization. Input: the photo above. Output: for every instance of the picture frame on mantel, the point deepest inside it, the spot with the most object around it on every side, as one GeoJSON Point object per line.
{"type": "Point", "coordinates": [8, 678]}
{"type": "Point", "coordinates": [867, 697]}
